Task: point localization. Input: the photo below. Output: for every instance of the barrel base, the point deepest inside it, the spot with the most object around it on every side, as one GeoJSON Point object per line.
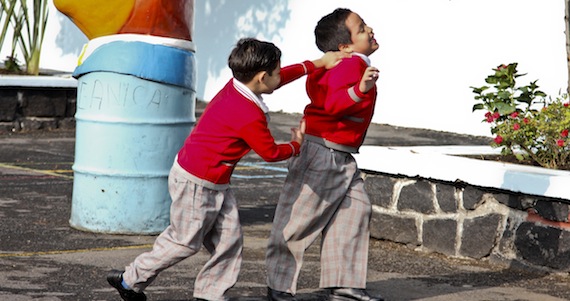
{"type": "Point", "coordinates": [114, 205]}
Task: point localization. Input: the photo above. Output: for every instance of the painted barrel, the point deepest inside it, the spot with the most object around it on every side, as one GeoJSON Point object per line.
{"type": "Point", "coordinates": [131, 120]}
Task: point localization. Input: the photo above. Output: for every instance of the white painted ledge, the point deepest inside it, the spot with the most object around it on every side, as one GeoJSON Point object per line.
{"type": "Point", "coordinates": [435, 162]}
{"type": "Point", "coordinates": [45, 81]}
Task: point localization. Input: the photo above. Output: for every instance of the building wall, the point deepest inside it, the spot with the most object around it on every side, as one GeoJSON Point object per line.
{"type": "Point", "coordinates": [430, 53]}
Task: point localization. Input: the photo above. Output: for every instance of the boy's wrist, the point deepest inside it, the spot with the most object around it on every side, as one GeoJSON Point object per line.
{"type": "Point", "coordinates": [363, 90]}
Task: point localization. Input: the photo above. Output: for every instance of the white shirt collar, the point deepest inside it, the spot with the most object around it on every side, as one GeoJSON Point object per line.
{"type": "Point", "coordinates": [247, 93]}
{"type": "Point", "coordinates": [364, 57]}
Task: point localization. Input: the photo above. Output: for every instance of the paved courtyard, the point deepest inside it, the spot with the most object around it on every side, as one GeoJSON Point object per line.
{"type": "Point", "coordinates": [43, 258]}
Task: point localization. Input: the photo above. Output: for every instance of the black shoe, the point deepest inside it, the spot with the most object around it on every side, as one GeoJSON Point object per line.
{"type": "Point", "coordinates": [273, 295]}
{"type": "Point", "coordinates": [348, 294]}
{"type": "Point", "coordinates": [115, 279]}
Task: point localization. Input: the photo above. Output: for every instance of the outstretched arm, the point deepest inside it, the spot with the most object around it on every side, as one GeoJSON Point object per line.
{"type": "Point", "coordinates": [296, 71]}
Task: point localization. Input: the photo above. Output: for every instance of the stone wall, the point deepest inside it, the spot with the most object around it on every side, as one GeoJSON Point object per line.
{"type": "Point", "coordinates": [29, 108]}
{"type": "Point", "coordinates": [460, 220]}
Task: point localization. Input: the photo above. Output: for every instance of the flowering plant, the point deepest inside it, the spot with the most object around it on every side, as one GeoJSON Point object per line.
{"type": "Point", "coordinates": [525, 122]}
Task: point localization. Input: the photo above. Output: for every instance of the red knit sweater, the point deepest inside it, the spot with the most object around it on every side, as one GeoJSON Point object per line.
{"type": "Point", "coordinates": [339, 114]}
{"type": "Point", "coordinates": [229, 128]}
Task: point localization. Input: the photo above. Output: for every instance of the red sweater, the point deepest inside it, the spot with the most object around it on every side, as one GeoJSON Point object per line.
{"type": "Point", "coordinates": [229, 128]}
{"type": "Point", "coordinates": [339, 114]}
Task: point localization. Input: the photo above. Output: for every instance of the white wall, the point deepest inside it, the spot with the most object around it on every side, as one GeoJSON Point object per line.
{"type": "Point", "coordinates": [62, 43]}
{"type": "Point", "coordinates": [431, 51]}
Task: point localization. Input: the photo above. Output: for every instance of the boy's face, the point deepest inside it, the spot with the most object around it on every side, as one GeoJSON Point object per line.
{"type": "Point", "coordinates": [271, 82]}
{"type": "Point", "coordinates": [361, 35]}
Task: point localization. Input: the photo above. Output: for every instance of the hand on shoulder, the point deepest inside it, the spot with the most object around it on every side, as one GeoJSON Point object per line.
{"type": "Point", "coordinates": [331, 59]}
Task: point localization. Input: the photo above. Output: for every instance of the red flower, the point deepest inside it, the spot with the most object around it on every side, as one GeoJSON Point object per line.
{"type": "Point", "coordinates": [516, 126]}
{"type": "Point", "coordinates": [560, 142]}
{"type": "Point", "coordinates": [496, 115]}
{"type": "Point", "coordinates": [514, 114]}
{"type": "Point", "coordinates": [525, 120]}
{"type": "Point", "coordinates": [564, 133]}
{"type": "Point", "coordinates": [566, 104]}
{"type": "Point", "coordinates": [498, 139]}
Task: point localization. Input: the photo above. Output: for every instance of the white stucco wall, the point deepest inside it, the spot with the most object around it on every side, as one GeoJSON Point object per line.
{"type": "Point", "coordinates": [431, 51]}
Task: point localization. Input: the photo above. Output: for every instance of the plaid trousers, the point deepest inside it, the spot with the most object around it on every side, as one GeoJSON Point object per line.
{"type": "Point", "coordinates": [323, 195]}
{"type": "Point", "coordinates": [198, 216]}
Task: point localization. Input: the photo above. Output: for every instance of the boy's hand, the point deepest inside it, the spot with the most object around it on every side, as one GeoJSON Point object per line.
{"type": "Point", "coordinates": [330, 59]}
{"type": "Point", "coordinates": [369, 79]}
{"type": "Point", "coordinates": [297, 134]}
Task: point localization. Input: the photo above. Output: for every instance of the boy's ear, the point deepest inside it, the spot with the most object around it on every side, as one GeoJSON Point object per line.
{"type": "Point", "coordinates": [260, 76]}
{"type": "Point", "coordinates": [346, 48]}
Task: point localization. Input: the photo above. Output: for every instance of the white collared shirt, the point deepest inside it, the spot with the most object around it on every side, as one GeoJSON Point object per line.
{"type": "Point", "coordinates": [364, 57]}
{"type": "Point", "coordinates": [247, 93]}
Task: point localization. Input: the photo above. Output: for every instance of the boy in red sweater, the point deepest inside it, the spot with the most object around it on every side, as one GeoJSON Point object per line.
{"type": "Point", "coordinates": [324, 190]}
{"type": "Point", "coordinates": [204, 210]}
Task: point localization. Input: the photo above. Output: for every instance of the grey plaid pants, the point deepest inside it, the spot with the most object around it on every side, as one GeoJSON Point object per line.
{"type": "Point", "coordinates": [323, 195]}
{"type": "Point", "coordinates": [198, 216]}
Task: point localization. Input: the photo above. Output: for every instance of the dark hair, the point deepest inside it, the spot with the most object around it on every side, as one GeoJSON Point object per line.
{"type": "Point", "coordinates": [331, 30]}
{"type": "Point", "coordinates": [251, 56]}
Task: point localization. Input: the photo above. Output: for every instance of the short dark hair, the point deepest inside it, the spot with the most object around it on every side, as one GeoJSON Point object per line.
{"type": "Point", "coordinates": [331, 30]}
{"type": "Point", "coordinates": [251, 56]}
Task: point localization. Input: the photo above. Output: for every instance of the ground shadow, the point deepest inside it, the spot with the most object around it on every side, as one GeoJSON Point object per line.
{"type": "Point", "coordinates": [426, 287]}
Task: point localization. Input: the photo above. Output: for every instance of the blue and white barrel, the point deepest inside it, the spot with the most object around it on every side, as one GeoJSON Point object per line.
{"type": "Point", "coordinates": [135, 107]}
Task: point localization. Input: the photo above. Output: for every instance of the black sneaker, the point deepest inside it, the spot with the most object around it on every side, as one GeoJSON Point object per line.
{"type": "Point", "coordinates": [273, 295]}
{"type": "Point", "coordinates": [115, 279]}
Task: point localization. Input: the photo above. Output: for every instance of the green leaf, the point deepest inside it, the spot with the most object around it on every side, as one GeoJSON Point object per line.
{"type": "Point", "coordinates": [519, 156]}
{"type": "Point", "coordinates": [506, 84]}
{"type": "Point", "coordinates": [504, 95]}
{"type": "Point", "coordinates": [491, 80]}
{"type": "Point", "coordinates": [478, 106]}
{"type": "Point", "coordinates": [479, 90]}
{"type": "Point", "coordinates": [505, 109]}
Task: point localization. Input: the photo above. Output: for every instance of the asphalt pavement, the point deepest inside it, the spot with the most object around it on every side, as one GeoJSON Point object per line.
{"type": "Point", "coordinates": [43, 258]}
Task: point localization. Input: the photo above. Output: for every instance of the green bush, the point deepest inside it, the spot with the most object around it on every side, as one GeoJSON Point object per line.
{"type": "Point", "coordinates": [525, 122]}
